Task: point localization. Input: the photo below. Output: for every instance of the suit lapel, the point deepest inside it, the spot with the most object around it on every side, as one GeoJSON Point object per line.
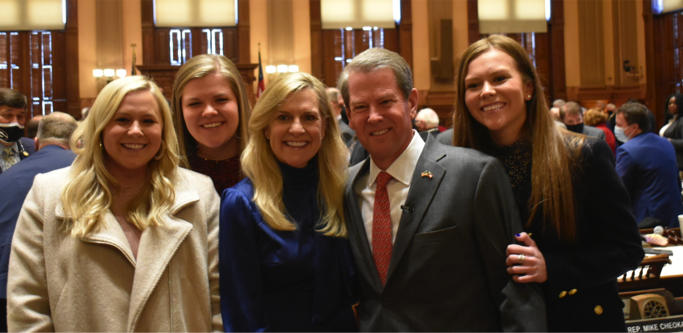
{"type": "Point", "coordinates": [157, 247]}
{"type": "Point", "coordinates": [357, 232]}
{"type": "Point", "coordinates": [423, 187]}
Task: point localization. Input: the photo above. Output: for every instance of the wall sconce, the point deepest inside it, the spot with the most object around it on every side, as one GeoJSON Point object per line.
{"type": "Point", "coordinates": [632, 71]}
{"type": "Point", "coordinates": [109, 73]}
{"type": "Point", "coordinates": [281, 68]}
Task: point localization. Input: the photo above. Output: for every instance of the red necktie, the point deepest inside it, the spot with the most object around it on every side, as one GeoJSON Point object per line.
{"type": "Point", "coordinates": [381, 227]}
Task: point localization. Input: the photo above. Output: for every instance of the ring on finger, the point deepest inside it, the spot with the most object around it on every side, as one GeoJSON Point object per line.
{"type": "Point", "coordinates": [521, 258]}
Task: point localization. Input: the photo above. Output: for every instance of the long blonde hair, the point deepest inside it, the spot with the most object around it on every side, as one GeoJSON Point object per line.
{"type": "Point", "coordinates": [553, 153]}
{"type": "Point", "coordinates": [260, 165]}
{"type": "Point", "coordinates": [198, 67]}
{"type": "Point", "coordinates": [87, 196]}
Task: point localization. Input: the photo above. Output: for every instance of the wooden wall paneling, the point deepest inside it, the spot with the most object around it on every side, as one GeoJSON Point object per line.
{"type": "Point", "coordinates": [442, 103]}
{"type": "Point", "coordinates": [242, 39]}
{"type": "Point", "coordinates": [59, 82]}
{"type": "Point", "coordinates": [591, 44]}
{"type": "Point", "coordinates": [557, 84]}
{"type": "Point", "coordinates": [331, 69]}
{"type": "Point", "coordinates": [543, 59]}
{"type": "Point", "coordinates": [664, 68]}
{"type": "Point", "coordinates": [159, 49]}
{"type": "Point", "coordinates": [148, 34]}
{"type": "Point", "coordinates": [156, 60]}
{"type": "Point", "coordinates": [71, 82]}
{"type": "Point", "coordinates": [199, 42]}
{"type": "Point", "coordinates": [405, 33]}
{"type": "Point", "coordinates": [626, 43]}
{"type": "Point", "coordinates": [651, 92]}
{"type": "Point", "coordinates": [25, 65]}
{"type": "Point", "coordinates": [317, 54]}
{"type": "Point", "coordinates": [472, 21]}
{"type": "Point", "coordinates": [231, 45]}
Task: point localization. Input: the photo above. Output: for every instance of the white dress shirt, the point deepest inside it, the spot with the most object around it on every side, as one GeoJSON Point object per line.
{"type": "Point", "coordinates": [401, 170]}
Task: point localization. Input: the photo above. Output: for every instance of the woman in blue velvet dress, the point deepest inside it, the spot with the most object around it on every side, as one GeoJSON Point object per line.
{"type": "Point", "coordinates": [285, 263]}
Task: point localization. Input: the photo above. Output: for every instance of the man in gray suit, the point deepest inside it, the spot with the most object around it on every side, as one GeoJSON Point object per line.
{"type": "Point", "coordinates": [572, 117]}
{"type": "Point", "coordinates": [428, 224]}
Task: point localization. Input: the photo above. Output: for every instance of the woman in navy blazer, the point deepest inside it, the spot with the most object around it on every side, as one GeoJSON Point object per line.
{"type": "Point", "coordinates": [565, 185]}
{"type": "Point", "coordinates": [285, 262]}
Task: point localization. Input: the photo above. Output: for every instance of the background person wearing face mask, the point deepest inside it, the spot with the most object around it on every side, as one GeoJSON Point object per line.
{"type": "Point", "coordinates": [646, 164]}
{"type": "Point", "coordinates": [572, 117]}
{"type": "Point", "coordinates": [12, 118]}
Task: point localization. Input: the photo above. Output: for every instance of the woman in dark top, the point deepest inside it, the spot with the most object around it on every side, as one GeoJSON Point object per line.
{"type": "Point", "coordinates": [210, 105]}
{"type": "Point", "coordinates": [285, 263]}
{"type": "Point", "coordinates": [584, 234]}
{"type": "Point", "coordinates": [674, 130]}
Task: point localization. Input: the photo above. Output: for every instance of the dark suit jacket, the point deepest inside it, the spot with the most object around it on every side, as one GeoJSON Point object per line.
{"type": "Point", "coordinates": [447, 271]}
{"type": "Point", "coordinates": [347, 134]}
{"type": "Point", "coordinates": [15, 184]}
{"type": "Point", "coordinates": [647, 166]}
{"type": "Point", "coordinates": [28, 144]}
{"type": "Point", "coordinates": [593, 131]}
{"type": "Point", "coordinates": [675, 135]}
{"type": "Point", "coordinates": [446, 137]}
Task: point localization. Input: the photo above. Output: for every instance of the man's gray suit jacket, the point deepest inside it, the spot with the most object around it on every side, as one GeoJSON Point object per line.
{"type": "Point", "coordinates": [593, 131]}
{"type": "Point", "coordinates": [447, 270]}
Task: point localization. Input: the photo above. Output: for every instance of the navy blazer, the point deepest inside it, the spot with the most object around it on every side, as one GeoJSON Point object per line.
{"type": "Point", "coordinates": [647, 166]}
{"type": "Point", "coordinates": [447, 270]}
{"type": "Point", "coordinates": [581, 290]}
{"type": "Point", "coordinates": [15, 184]}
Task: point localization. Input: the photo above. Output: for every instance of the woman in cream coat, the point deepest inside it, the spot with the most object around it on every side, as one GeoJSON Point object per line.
{"type": "Point", "coordinates": [123, 240]}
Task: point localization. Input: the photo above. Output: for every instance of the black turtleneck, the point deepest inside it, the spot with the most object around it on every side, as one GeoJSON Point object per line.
{"type": "Point", "coordinates": [300, 193]}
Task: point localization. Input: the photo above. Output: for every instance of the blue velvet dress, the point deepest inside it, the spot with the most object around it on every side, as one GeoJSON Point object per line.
{"type": "Point", "coordinates": [274, 280]}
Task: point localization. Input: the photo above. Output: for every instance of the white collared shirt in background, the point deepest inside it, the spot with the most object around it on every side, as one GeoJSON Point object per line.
{"type": "Point", "coordinates": [402, 172]}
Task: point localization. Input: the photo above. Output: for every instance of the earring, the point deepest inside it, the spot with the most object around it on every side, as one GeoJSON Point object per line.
{"type": "Point", "coordinates": [528, 97]}
{"type": "Point", "coordinates": [160, 153]}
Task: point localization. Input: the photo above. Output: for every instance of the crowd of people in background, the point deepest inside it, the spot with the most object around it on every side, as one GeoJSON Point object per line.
{"type": "Point", "coordinates": [331, 208]}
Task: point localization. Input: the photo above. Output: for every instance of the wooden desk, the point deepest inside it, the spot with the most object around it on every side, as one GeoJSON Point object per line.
{"type": "Point", "coordinates": [671, 277]}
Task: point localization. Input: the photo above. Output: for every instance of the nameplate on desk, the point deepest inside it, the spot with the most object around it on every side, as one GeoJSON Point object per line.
{"type": "Point", "coordinates": [663, 324]}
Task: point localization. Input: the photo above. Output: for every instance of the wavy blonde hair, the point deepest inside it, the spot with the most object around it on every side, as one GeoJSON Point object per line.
{"type": "Point", "coordinates": [199, 67]}
{"type": "Point", "coordinates": [87, 196]}
{"type": "Point", "coordinates": [553, 153]}
{"type": "Point", "coordinates": [260, 165]}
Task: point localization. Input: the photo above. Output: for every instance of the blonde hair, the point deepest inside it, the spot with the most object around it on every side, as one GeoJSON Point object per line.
{"type": "Point", "coordinates": [594, 117]}
{"type": "Point", "coordinates": [553, 153]}
{"type": "Point", "coordinates": [260, 165]}
{"type": "Point", "coordinates": [87, 196]}
{"type": "Point", "coordinates": [199, 67]}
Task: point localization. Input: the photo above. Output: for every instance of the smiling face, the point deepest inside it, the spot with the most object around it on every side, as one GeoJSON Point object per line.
{"type": "Point", "coordinates": [133, 136]}
{"type": "Point", "coordinates": [495, 95]}
{"type": "Point", "coordinates": [380, 115]}
{"type": "Point", "coordinates": [297, 129]}
{"type": "Point", "coordinates": [211, 113]}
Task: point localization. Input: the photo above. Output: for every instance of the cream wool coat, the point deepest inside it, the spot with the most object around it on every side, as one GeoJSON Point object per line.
{"type": "Point", "coordinates": [61, 283]}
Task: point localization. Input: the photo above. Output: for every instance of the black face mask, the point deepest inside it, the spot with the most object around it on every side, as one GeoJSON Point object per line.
{"type": "Point", "coordinates": [578, 128]}
{"type": "Point", "coordinates": [11, 132]}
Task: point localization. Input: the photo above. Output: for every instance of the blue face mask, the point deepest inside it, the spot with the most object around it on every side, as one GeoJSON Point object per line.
{"type": "Point", "coordinates": [620, 134]}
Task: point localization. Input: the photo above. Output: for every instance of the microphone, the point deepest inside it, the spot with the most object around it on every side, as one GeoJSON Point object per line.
{"type": "Point", "coordinates": [406, 208]}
